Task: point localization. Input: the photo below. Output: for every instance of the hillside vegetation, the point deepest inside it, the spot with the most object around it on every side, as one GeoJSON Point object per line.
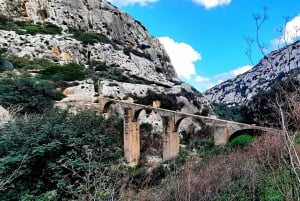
{"type": "Point", "coordinates": [50, 154]}
{"type": "Point", "coordinates": [54, 156]}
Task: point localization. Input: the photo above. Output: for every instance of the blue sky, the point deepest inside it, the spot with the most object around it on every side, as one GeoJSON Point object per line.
{"type": "Point", "coordinates": [206, 38]}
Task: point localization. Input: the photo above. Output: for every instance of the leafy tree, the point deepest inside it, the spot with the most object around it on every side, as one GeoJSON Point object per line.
{"type": "Point", "coordinates": [58, 155]}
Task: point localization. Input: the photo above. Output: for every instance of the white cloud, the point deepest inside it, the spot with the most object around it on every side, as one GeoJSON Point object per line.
{"type": "Point", "coordinates": [208, 4]}
{"type": "Point", "coordinates": [233, 73]}
{"type": "Point", "coordinates": [182, 55]}
{"type": "Point", "coordinates": [205, 83]}
{"type": "Point", "coordinates": [201, 79]}
{"type": "Point", "coordinates": [131, 2]}
{"type": "Point", "coordinates": [291, 32]}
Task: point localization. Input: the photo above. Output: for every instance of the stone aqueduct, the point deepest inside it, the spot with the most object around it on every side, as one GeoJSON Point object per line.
{"type": "Point", "coordinates": [222, 130]}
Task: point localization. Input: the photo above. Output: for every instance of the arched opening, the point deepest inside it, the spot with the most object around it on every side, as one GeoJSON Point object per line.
{"type": "Point", "coordinates": [252, 132]}
{"type": "Point", "coordinates": [137, 113]}
{"type": "Point", "coordinates": [190, 129]}
{"type": "Point", "coordinates": [151, 138]}
{"type": "Point", "coordinates": [113, 109]}
{"type": "Point", "coordinates": [178, 122]}
{"type": "Point", "coordinates": [106, 106]}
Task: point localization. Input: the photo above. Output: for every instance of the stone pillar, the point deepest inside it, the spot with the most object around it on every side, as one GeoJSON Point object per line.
{"type": "Point", "coordinates": [101, 103]}
{"type": "Point", "coordinates": [131, 138]}
{"type": "Point", "coordinates": [170, 138]}
{"type": "Point", "coordinates": [221, 135]}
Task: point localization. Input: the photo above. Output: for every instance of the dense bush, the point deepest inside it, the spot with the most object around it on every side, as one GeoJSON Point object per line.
{"type": "Point", "coordinates": [59, 156]}
{"type": "Point", "coordinates": [99, 66]}
{"type": "Point", "coordinates": [4, 22]}
{"type": "Point", "coordinates": [90, 38]}
{"type": "Point", "coordinates": [27, 63]}
{"type": "Point", "coordinates": [33, 96]}
{"type": "Point", "coordinates": [67, 72]}
{"type": "Point", "coordinates": [22, 27]}
{"type": "Point", "coordinates": [49, 70]}
{"type": "Point", "coordinates": [241, 141]}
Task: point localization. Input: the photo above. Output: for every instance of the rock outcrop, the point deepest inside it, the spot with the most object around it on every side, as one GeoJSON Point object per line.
{"type": "Point", "coordinates": [242, 88]}
{"type": "Point", "coordinates": [124, 47]}
{"type": "Point", "coordinates": [4, 116]}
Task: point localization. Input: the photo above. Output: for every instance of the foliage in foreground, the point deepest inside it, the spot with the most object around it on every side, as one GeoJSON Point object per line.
{"type": "Point", "coordinates": [262, 172]}
{"type": "Point", "coordinates": [55, 156]}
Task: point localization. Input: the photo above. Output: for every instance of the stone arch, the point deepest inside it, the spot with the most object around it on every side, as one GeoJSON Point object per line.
{"type": "Point", "coordinates": [113, 108]}
{"type": "Point", "coordinates": [252, 132]}
{"type": "Point", "coordinates": [138, 112]}
{"type": "Point", "coordinates": [107, 106]}
{"type": "Point", "coordinates": [150, 140]}
{"type": "Point", "coordinates": [179, 121]}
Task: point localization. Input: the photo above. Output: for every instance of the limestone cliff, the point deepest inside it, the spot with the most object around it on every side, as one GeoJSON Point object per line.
{"type": "Point", "coordinates": [124, 47]}
{"type": "Point", "coordinates": [242, 88]}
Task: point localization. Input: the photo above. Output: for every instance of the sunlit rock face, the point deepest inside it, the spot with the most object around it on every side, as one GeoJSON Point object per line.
{"type": "Point", "coordinates": [242, 88]}
{"type": "Point", "coordinates": [128, 50]}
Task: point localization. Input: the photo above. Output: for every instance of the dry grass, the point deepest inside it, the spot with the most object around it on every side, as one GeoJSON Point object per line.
{"type": "Point", "coordinates": [237, 174]}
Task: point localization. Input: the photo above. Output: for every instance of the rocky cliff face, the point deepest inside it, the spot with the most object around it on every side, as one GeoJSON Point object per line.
{"type": "Point", "coordinates": [124, 47]}
{"type": "Point", "coordinates": [242, 88]}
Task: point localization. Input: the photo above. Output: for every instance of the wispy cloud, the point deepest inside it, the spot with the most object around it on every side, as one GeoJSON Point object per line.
{"type": "Point", "coordinates": [131, 2]}
{"type": "Point", "coordinates": [208, 4]}
{"type": "Point", "coordinates": [205, 83]}
{"type": "Point", "coordinates": [201, 79]}
{"type": "Point", "coordinates": [290, 32]}
{"type": "Point", "coordinates": [233, 73]}
{"type": "Point", "coordinates": [182, 55]}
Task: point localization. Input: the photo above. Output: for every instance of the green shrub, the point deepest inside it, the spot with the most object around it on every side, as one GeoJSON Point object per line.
{"type": "Point", "coordinates": [90, 38]}
{"type": "Point", "coordinates": [272, 195]}
{"type": "Point", "coordinates": [49, 70]}
{"type": "Point", "coordinates": [99, 66]}
{"type": "Point", "coordinates": [205, 111]}
{"type": "Point", "coordinates": [297, 140]}
{"type": "Point", "coordinates": [241, 141]}
{"type": "Point", "coordinates": [67, 72]}
{"type": "Point", "coordinates": [32, 29]}
{"type": "Point", "coordinates": [3, 21]}
{"type": "Point", "coordinates": [57, 155]}
{"type": "Point", "coordinates": [46, 28]}
{"type": "Point", "coordinates": [33, 96]}
{"type": "Point", "coordinates": [22, 27]}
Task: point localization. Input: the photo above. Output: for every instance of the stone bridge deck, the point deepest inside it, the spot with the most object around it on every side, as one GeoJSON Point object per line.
{"type": "Point", "coordinates": [222, 129]}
